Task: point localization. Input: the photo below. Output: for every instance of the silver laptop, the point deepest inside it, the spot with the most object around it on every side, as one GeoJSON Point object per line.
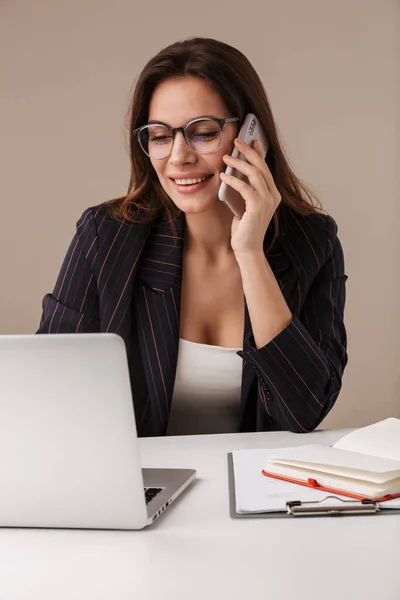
{"type": "Point", "coordinates": [68, 443]}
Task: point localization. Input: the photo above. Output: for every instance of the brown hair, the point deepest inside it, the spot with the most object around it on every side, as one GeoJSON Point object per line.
{"type": "Point", "coordinates": [235, 80]}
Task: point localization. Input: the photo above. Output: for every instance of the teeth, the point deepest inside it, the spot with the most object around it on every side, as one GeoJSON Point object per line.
{"type": "Point", "coordinates": [190, 181]}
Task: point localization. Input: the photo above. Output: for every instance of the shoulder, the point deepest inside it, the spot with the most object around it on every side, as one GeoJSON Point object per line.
{"type": "Point", "coordinates": [101, 223]}
{"type": "Point", "coordinates": [100, 216]}
{"type": "Point", "coordinates": [103, 236]}
{"type": "Point", "coordinates": [309, 239]}
{"type": "Point", "coordinates": [317, 226]}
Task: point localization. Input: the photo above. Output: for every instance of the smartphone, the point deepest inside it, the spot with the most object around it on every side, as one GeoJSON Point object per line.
{"type": "Point", "coordinates": [249, 132]}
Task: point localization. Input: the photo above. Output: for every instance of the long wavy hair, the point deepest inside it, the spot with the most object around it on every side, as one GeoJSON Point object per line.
{"type": "Point", "coordinates": [236, 81]}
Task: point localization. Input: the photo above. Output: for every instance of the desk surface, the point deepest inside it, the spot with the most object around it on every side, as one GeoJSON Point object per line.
{"type": "Point", "coordinates": [197, 551]}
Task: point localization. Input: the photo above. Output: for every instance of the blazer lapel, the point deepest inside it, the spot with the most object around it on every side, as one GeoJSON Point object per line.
{"type": "Point", "coordinates": [117, 266]}
{"type": "Point", "coordinates": [157, 297]}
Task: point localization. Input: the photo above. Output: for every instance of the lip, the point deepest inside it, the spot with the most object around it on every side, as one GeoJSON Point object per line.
{"type": "Point", "coordinates": [189, 175]}
{"type": "Point", "coordinates": [191, 188]}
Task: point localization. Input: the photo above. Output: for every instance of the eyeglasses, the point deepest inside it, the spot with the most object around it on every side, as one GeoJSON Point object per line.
{"type": "Point", "coordinates": [203, 135]}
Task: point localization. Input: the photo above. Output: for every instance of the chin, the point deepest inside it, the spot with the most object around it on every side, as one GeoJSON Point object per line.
{"type": "Point", "coordinates": [194, 205]}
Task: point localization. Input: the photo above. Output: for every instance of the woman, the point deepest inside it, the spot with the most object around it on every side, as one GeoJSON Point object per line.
{"type": "Point", "coordinates": [230, 324]}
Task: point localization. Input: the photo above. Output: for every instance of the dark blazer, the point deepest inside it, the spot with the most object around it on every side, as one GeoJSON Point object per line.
{"type": "Point", "coordinates": [125, 278]}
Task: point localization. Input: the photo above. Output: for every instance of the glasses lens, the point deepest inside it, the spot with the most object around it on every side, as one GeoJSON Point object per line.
{"type": "Point", "coordinates": [204, 136]}
{"type": "Point", "coordinates": [156, 141]}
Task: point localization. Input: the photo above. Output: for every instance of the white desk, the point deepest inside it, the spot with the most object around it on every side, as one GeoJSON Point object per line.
{"type": "Point", "coordinates": [196, 551]}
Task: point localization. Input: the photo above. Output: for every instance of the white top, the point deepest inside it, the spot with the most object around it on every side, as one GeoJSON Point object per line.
{"type": "Point", "coordinates": [195, 546]}
{"type": "Point", "coordinates": [206, 397]}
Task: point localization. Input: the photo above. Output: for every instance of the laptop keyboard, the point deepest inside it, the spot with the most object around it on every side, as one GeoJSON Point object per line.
{"type": "Point", "coordinates": [151, 493]}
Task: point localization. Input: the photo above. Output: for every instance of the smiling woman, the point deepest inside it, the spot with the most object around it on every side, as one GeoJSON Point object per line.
{"type": "Point", "coordinates": [188, 160]}
{"type": "Point", "coordinates": [230, 324]}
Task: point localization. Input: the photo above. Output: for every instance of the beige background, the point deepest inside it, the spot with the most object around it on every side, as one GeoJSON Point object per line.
{"type": "Point", "coordinates": [331, 70]}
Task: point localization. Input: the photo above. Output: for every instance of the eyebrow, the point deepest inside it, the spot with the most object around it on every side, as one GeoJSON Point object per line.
{"type": "Point", "coordinates": [154, 122]}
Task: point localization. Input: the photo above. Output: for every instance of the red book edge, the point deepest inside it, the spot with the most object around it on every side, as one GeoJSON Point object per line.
{"type": "Point", "coordinates": [313, 483]}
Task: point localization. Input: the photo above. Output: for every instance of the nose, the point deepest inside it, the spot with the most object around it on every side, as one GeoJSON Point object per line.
{"type": "Point", "coordinates": [181, 152]}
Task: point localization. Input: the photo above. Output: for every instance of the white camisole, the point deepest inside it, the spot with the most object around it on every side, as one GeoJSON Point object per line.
{"type": "Point", "coordinates": [206, 397]}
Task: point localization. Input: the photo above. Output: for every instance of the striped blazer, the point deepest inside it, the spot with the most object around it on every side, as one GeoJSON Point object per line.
{"type": "Point", "coordinates": [125, 278]}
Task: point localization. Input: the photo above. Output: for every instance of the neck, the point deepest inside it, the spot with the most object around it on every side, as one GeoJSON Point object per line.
{"type": "Point", "coordinates": [209, 233]}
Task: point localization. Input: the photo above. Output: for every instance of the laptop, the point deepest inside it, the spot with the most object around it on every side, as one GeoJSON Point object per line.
{"type": "Point", "coordinates": [68, 441]}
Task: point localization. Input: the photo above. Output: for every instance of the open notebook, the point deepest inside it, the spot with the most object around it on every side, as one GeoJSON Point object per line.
{"type": "Point", "coordinates": [364, 463]}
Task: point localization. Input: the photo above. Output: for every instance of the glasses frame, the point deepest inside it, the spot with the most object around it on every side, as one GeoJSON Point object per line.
{"type": "Point", "coordinates": [183, 130]}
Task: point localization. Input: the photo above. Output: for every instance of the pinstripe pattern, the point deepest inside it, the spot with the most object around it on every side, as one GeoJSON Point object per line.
{"type": "Point", "coordinates": [126, 279]}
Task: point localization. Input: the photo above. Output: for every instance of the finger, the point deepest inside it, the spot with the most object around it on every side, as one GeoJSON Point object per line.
{"type": "Point", "coordinates": [257, 147]}
{"type": "Point", "coordinates": [253, 174]}
{"type": "Point", "coordinates": [251, 153]}
{"type": "Point", "coordinates": [251, 199]}
{"type": "Point", "coordinates": [237, 184]}
{"type": "Point", "coordinates": [255, 159]}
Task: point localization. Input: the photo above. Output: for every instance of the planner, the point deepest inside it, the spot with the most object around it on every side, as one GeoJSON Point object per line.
{"type": "Point", "coordinates": [363, 464]}
{"type": "Point", "coordinates": [357, 475]}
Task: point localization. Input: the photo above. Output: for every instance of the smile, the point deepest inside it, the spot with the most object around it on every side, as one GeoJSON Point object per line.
{"type": "Point", "coordinates": [191, 185]}
{"type": "Point", "coordinates": [192, 181]}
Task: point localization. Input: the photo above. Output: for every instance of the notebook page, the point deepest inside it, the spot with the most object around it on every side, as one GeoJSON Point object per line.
{"type": "Point", "coordinates": [338, 462]}
{"type": "Point", "coordinates": [257, 493]}
{"type": "Point", "coordinates": [349, 481]}
{"type": "Point", "coordinates": [380, 439]}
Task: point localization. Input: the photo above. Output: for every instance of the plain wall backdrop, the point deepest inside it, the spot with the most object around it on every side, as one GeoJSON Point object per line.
{"type": "Point", "coordinates": [331, 71]}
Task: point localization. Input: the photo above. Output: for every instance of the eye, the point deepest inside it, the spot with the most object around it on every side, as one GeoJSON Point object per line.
{"type": "Point", "coordinates": [206, 136]}
{"type": "Point", "coordinates": [158, 135]}
{"type": "Point", "coordinates": [160, 139]}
